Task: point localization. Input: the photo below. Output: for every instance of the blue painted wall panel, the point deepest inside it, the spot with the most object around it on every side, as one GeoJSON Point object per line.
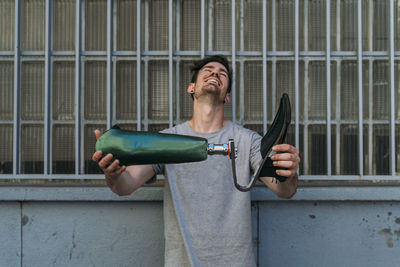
{"type": "Point", "coordinates": [329, 233]}
{"type": "Point", "coordinates": [10, 234]}
{"type": "Point", "coordinates": [93, 234]}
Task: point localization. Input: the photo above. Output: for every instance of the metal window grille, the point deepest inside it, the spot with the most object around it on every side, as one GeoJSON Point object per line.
{"type": "Point", "coordinates": [68, 67]}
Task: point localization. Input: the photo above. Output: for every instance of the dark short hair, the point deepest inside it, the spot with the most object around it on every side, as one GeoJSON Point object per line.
{"type": "Point", "coordinates": [197, 65]}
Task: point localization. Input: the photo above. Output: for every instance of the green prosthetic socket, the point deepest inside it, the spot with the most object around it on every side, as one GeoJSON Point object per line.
{"type": "Point", "coordinates": [137, 148]}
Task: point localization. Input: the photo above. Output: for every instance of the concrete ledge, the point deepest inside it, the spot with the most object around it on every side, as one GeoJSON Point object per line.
{"type": "Point", "coordinates": [155, 193]}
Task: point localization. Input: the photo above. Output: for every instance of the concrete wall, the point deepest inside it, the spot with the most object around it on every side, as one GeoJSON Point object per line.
{"type": "Point", "coordinates": [92, 227]}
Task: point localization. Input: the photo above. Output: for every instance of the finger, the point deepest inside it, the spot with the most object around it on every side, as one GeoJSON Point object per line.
{"type": "Point", "coordinates": [285, 173]}
{"type": "Point", "coordinates": [113, 167]}
{"type": "Point", "coordinates": [285, 148]}
{"type": "Point", "coordinates": [285, 164]}
{"type": "Point", "coordinates": [97, 133]}
{"type": "Point", "coordinates": [285, 157]}
{"type": "Point", "coordinates": [112, 174]}
{"type": "Point", "coordinates": [97, 156]}
{"type": "Point", "coordinates": [105, 161]}
{"type": "Point", "coordinates": [120, 170]}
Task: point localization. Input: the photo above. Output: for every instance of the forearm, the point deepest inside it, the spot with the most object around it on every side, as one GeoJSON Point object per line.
{"type": "Point", "coordinates": [130, 180]}
{"type": "Point", "coordinates": [285, 189]}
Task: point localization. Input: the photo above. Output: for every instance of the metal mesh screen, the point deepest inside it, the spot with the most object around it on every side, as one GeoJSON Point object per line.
{"type": "Point", "coordinates": [126, 25]}
{"type": "Point", "coordinates": [158, 25]}
{"type": "Point", "coordinates": [7, 25]}
{"type": "Point", "coordinates": [252, 20]}
{"type": "Point", "coordinates": [95, 25]}
{"type": "Point", "coordinates": [6, 90]}
{"type": "Point", "coordinates": [90, 166]}
{"type": "Point", "coordinates": [95, 90]}
{"type": "Point", "coordinates": [253, 92]}
{"type": "Point", "coordinates": [33, 25]}
{"type": "Point", "coordinates": [222, 30]}
{"type": "Point", "coordinates": [126, 95]}
{"type": "Point", "coordinates": [32, 148]}
{"type": "Point", "coordinates": [52, 99]}
{"type": "Point", "coordinates": [158, 90]}
{"type": "Point", "coordinates": [6, 148]}
{"type": "Point", "coordinates": [190, 21]}
{"type": "Point", "coordinates": [186, 102]}
{"type": "Point", "coordinates": [63, 149]}
{"type": "Point", "coordinates": [32, 91]}
{"type": "Point", "coordinates": [63, 90]}
{"type": "Point", "coordinates": [381, 91]}
{"type": "Point", "coordinates": [64, 25]}
{"type": "Point", "coordinates": [285, 25]}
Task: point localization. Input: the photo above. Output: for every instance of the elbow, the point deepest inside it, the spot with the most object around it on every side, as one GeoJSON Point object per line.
{"type": "Point", "coordinates": [288, 194]}
{"type": "Point", "coordinates": [122, 193]}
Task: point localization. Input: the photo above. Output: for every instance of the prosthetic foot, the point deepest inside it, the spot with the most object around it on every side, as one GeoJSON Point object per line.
{"type": "Point", "coordinates": [275, 135]}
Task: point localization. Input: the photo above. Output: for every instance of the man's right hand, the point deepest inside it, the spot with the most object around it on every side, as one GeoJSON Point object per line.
{"type": "Point", "coordinates": [112, 170]}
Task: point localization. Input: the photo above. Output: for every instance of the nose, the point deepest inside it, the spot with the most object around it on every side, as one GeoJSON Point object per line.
{"type": "Point", "coordinates": [215, 73]}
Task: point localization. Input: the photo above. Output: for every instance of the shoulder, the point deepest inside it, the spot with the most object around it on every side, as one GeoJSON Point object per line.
{"type": "Point", "coordinates": [175, 129]}
{"type": "Point", "coordinates": [239, 129]}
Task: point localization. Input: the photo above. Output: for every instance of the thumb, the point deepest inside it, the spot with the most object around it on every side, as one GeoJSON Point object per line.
{"type": "Point", "coordinates": [97, 133]}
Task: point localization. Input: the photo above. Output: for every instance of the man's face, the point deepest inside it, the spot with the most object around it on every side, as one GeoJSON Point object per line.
{"type": "Point", "coordinates": [212, 79]}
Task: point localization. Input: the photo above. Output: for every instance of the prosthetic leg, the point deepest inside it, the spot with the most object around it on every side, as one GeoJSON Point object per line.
{"type": "Point", "coordinates": [138, 148]}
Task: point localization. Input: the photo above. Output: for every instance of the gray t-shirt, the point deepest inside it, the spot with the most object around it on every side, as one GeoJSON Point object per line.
{"type": "Point", "coordinates": [207, 220]}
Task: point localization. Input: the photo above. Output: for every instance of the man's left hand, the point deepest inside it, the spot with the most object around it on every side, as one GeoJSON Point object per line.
{"type": "Point", "coordinates": [287, 156]}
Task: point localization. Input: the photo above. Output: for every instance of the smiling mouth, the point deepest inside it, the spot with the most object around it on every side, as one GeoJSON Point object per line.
{"type": "Point", "coordinates": [213, 81]}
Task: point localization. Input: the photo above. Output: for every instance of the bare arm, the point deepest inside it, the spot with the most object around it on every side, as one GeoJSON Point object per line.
{"type": "Point", "coordinates": [122, 180]}
{"type": "Point", "coordinates": [288, 157]}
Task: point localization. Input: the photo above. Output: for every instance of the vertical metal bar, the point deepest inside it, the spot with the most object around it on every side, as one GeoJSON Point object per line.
{"type": "Point", "coordinates": [338, 22]}
{"type": "Point", "coordinates": [114, 27]}
{"type": "Point", "coordinates": [109, 65]}
{"type": "Point", "coordinates": [273, 93]}
{"type": "Point", "coordinates": [177, 26]}
{"type": "Point", "coordinates": [338, 88]}
{"type": "Point", "coordinates": [78, 126]}
{"type": "Point", "coordinates": [370, 26]}
{"type": "Point", "coordinates": [138, 64]}
{"type": "Point", "coordinates": [328, 88]}
{"type": "Point", "coordinates": [305, 29]}
{"type": "Point", "coordinates": [233, 61]}
{"type": "Point", "coordinates": [114, 62]}
{"type": "Point", "coordinates": [392, 90]}
{"type": "Point", "coordinates": [273, 96]}
{"type": "Point", "coordinates": [146, 94]}
{"type": "Point", "coordinates": [146, 67]}
{"type": "Point", "coordinates": [265, 73]}
{"type": "Point", "coordinates": [306, 125]}
{"type": "Point", "coordinates": [360, 87]}
{"type": "Point", "coordinates": [338, 81]}
{"type": "Point", "coordinates": [170, 63]}
{"type": "Point", "coordinates": [178, 89]}
{"type": "Point", "coordinates": [296, 71]}
{"type": "Point", "coordinates": [202, 33]}
{"type": "Point", "coordinates": [273, 25]}
{"type": "Point", "coordinates": [241, 26]}
{"type": "Point", "coordinates": [241, 63]}
{"type": "Point", "coordinates": [17, 88]}
{"type": "Point", "coordinates": [210, 24]}
{"type": "Point", "coordinates": [370, 116]}
{"type": "Point", "coordinates": [305, 100]}
{"type": "Point", "coordinates": [177, 64]}
{"type": "Point", "coordinates": [47, 84]}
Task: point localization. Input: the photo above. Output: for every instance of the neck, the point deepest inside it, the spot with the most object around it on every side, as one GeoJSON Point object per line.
{"type": "Point", "coordinates": [207, 117]}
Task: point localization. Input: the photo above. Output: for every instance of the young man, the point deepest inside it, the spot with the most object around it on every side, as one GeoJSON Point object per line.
{"type": "Point", "coordinates": [207, 220]}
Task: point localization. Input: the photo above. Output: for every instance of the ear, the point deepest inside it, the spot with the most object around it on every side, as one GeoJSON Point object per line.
{"type": "Point", "coordinates": [227, 98]}
{"type": "Point", "coordinates": [190, 88]}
